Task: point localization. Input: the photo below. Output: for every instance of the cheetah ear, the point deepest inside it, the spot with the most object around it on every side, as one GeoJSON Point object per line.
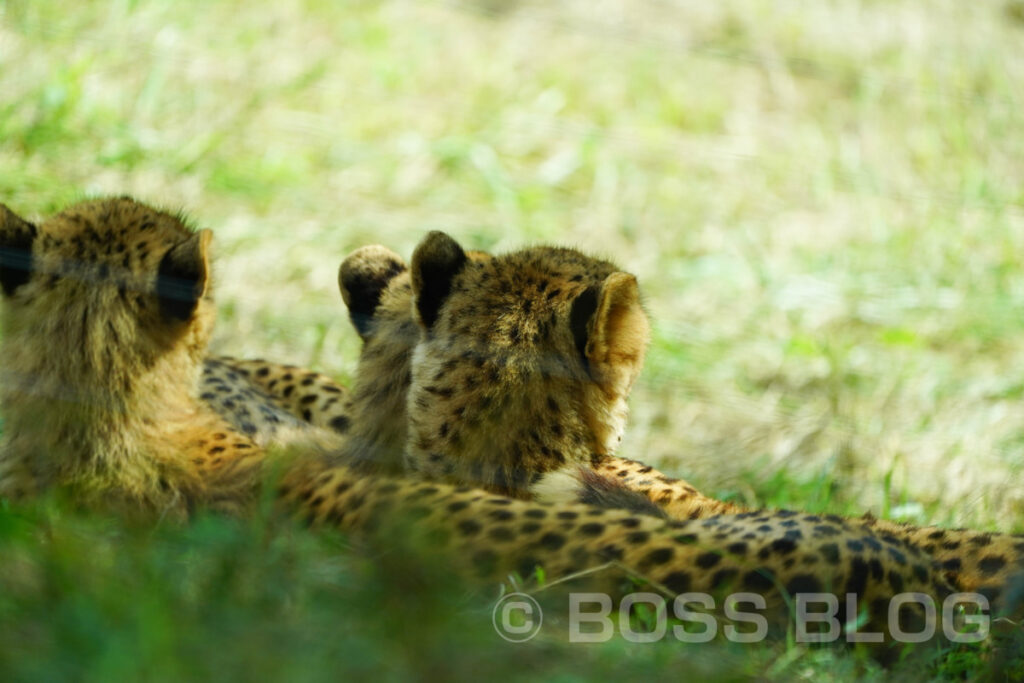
{"type": "Point", "coordinates": [362, 278]}
{"type": "Point", "coordinates": [183, 276]}
{"type": "Point", "coordinates": [16, 237]}
{"type": "Point", "coordinates": [611, 331]}
{"type": "Point", "coordinates": [435, 263]}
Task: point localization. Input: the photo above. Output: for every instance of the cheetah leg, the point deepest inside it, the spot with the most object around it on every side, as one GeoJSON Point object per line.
{"type": "Point", "coordinates": [302, 394]}
{"type": "Point", "coordinates": [273, 403]}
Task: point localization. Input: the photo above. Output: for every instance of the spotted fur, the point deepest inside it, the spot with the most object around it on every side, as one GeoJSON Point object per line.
{"type": "Point", "coordinates": [114, 414]}
{"type": "Point", "coordinates": [776, 554]}
{"type": "Point", "coordinates": [265, 400]}
{"type": "Point", "coordinates": [107, 311]}
{"type": "Point", "coordinates": [463, 391]}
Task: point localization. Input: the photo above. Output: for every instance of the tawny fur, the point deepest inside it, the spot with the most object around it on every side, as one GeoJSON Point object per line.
{"type": "Point", "coordinates": [271, 402]}
{"type": "Point", "coordinates": [543, 456]}
{"type": "Point", "coordinates": [102, 348]}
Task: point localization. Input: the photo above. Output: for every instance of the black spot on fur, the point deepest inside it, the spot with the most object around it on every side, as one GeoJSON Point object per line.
{"type": "Point", "coordinates": [898, 557]}
{"type": "Point", "coordinates": [723, 577]}
{"type": "Point", "coordinates": [469, 527]}
{"type": "Point", "coordinates": [678, 582]}
{"type": "Point", "coordinates": [708, 560]}
{"type": "Point", "coordinates": [991, 564]}
{"type": "Point", "coordinates": [953, 564]}
{"type": "Point", "coordinates": [526, 566]}
{"type": "Point", "coordinates": [552, 541]}
{"type": "Point", "coordinates": [739, 548]}
{"type": "Point", "coordinates": [803, 583]}
{"type": "Point", "coordinates": [858, 579]}
{"type": "Point", "coordinates": [759, 579]}
{"type": "Point", "coordinates": [783, 546]}
{"type": "Point", "coordinates": [637, 537]}
{"type": "Point", "coordinates": [610, 552]}
{"type": "Point", "coordinates": [656, 557]}
{"type": "Point", "coordinates": [830, 551]}
{"type": "Point", "coordinates": [876, 568]}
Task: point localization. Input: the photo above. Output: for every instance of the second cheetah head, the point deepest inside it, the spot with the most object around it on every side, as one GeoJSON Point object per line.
{"type": "Point", "coordinates": [522, 363]}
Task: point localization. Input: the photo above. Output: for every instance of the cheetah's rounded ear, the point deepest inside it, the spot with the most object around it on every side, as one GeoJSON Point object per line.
{"type": "Point", "coordinates": [611, 331]}
{"type": "Point", "coordinates": [362, 278]}
{"type": "Point", "coordinates": [16, 237]}
{"type": "Point", "coordinates": [184, 276]}
{"type": "Point", "coordinates": [435, 263]}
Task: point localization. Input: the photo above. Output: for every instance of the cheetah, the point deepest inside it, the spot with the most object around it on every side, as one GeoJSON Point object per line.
{"type": "Point", "coordinates": [112, 415]}
{"type": "Point", "coordinates": [270, 402]}
{"type": "Point", "coordinates": [376, 285]}
{"type": "Point", "coordinates": [85, 394]}
{"type": "Point", "coordinates": [525, 340]}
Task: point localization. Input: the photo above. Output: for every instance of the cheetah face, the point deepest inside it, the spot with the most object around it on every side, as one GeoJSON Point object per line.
{"type": "Point", "coordinates": [128, 280]}
{"type": "Point", "coordinates": [523, 362]}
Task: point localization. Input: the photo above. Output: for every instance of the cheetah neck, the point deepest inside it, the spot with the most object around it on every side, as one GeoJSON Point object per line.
{"type": "Point", "coordinates": [498, 438]}
{"type": "Point", "coordinates": [67, 426]}
{"type": "Point", "coordinates": [376, 442]}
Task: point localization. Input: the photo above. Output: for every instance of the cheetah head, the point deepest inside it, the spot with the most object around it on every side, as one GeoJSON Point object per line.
{"type": "Point", "coordinates": [516, 365]}
{"type": "Point", "coordinates": [97, 295]}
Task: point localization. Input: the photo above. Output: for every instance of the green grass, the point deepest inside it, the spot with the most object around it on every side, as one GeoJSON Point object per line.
{"type": "Point", "coordinates": [94, 599]}
{"type": "Point", "coordinates": [824, 203]}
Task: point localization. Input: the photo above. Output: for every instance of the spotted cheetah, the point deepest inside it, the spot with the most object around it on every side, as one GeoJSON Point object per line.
{"type": "Point", "coordinates": [269, 402]}
{"type": "Point", "coordinates": [508, 341]}
{"type": "Point", "coordinates": [112, 414]}
{"type": "Point", "coordinates": [102, 304]}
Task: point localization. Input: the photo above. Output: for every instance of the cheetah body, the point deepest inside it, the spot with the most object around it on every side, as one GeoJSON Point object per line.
{"type": "Point", "coordinates": [122, 420]}
{"type": "Point", "coordinates": [505, 346]}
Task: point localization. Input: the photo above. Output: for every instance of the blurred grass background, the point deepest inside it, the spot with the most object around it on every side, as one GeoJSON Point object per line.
{"type": "Point", "coordinates": [824, 203]}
